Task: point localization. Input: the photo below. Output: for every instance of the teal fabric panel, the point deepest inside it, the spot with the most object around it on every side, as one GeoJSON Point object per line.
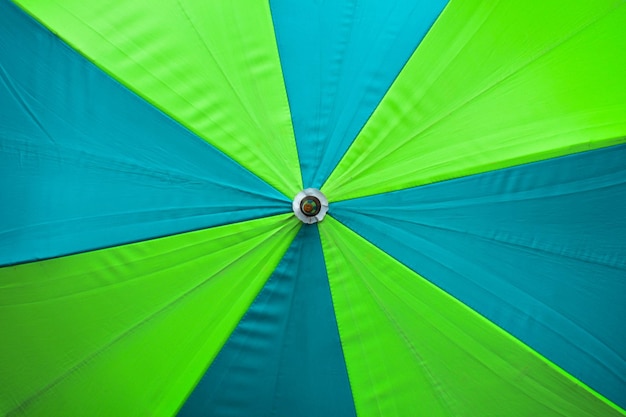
{"type": "Point", "coordinates": [539, 249]}
{"type": "Point", "coordinates": [86, 164]}
{"type": "Point", "coordinates": [285, 357]}
{"type": "Point", "coordinates": [339, 58]}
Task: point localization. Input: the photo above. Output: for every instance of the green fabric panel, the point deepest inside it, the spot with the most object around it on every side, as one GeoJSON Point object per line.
{"type": "Point", "coordinates": [128, 331]}
{"type": "Point", "coordinates": [211, 65]}
{"type": "Point", "coordinates": [494, 84]}
{"type": "Point", "coordinates": [412, 349]}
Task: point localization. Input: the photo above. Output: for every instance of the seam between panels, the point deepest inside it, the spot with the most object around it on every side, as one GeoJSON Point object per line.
{"type": "Point", "coordinates": [382, 98]}
{"type": "Point", "coordinates": [275, 397]}
{"type": "Point", "coordinates": [339, 327]}
{"type": "Point", "coordinates": [441, 400]}
{"type": "Point", "coordinates": [293, 144]}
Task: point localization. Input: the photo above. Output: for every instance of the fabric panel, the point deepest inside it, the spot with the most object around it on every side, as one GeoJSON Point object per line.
{"type": "Point", "coordinates": [538, 249]}
{"type": "Point", "coordinates": [212, 66]}
{"type": "Point", "coordinates": [494, 84]}
{"type": "Point", "coordinates": [428, 354]}
{"type": "Point", "coordinates": [129, 330]}
{"type": "Point", "coordinates": [284, 358]}
{"type": "Point", "coordinates": [86, 164]}
{"type": "Point", "coordinates": [339, 58]}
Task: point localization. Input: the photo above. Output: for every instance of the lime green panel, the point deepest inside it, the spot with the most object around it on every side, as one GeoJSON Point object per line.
{"type": "Point", "coordinates": [412, 349]}
{"type": "Point", "coordinates": [128, 331]}
{"type": "Point", "coordinates": [211, 65]}
{"type": "Point", "coordinates": [495, 84]}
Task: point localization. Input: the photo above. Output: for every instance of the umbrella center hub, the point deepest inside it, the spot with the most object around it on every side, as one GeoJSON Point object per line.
{"type": "Point", "coordinates": [310, 205]}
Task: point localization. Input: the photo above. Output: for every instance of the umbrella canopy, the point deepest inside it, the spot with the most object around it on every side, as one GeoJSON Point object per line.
{"type": "Point", "coordinates": [346, 208]}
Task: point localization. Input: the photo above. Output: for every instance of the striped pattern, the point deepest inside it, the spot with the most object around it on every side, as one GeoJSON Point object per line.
{"type": "Point", "coordinates": [472, 261]}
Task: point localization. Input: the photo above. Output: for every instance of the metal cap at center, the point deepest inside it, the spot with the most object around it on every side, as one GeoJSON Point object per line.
{"type": "Point", "coordinates": [310, 205]}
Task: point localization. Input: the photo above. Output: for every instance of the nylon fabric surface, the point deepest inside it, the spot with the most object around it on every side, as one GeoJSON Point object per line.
{"type": "Point", "coordinates": [507, 86]}
{"type": "Point", "coordinates": [284, 358]}
{"type": "Point", "coordinates": [431, 354]}
{"type": "Point", "coordinates": [116, 320]}
{"type": "Point", "coordinates": [338, 59]}
{"type": "Point", "coordinates": [472, 261]}
{"type": "Point", "coordinates": [538, 249]}
{"type": "Point", "coordinates": [96, 166]}
{"type": "Point", "coordinates": [212, 66]}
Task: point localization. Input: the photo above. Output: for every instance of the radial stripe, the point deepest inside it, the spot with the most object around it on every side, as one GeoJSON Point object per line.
{"type": "Point", "coordinates": [339, 58]}
{"type": "Point", "coordinates": [212, 66]}
{"type": "Point", "coordinates": [494, 84]}
{"type": "Point", "coordinates": [539, 249]}
{"type": "Point", "coordinates": [284, 358]}
{"type": "Point", "coordinates": [86, 164]}
{"type": "Point", "coordinates": [129, 330]}
{"type": "Point", "coordinates": [431, 355]}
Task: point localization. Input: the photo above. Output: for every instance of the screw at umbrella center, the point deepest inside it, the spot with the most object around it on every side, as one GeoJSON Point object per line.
{"type": "Point", "coordinates": [310, 206]}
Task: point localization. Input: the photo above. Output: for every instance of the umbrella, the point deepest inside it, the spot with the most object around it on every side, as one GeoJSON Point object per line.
{"type": "Point", "coordinates": [312, 208]}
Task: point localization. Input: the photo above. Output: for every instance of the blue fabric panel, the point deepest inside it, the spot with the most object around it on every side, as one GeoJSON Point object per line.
{"type": "Point", "coordinates": [539, 249]}
{"type": "Point", "coordinates": [339, 58]}
{"type": "Point", "coordinates": [285, 357]}
{"type": "Point", "coordinates": [85, 163]}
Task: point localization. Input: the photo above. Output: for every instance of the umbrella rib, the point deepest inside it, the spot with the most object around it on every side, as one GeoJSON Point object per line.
{"type": "Point", "coordinates": [134, 167]}
{"type": "Point", "coordinates": [511, 244]}
{"type": "Point", "coordinates": [358, 334]}
{"type": "Point", "coordinates": [420, 360]}
{"type": "Point", "coordinates": [347, 30]}
{"type": "Point", "coordinates": [281, 356]}
{"type": "Point", "coordinates": [219, 66]}
{"type": "Point", "coordinates": [16, 231]}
